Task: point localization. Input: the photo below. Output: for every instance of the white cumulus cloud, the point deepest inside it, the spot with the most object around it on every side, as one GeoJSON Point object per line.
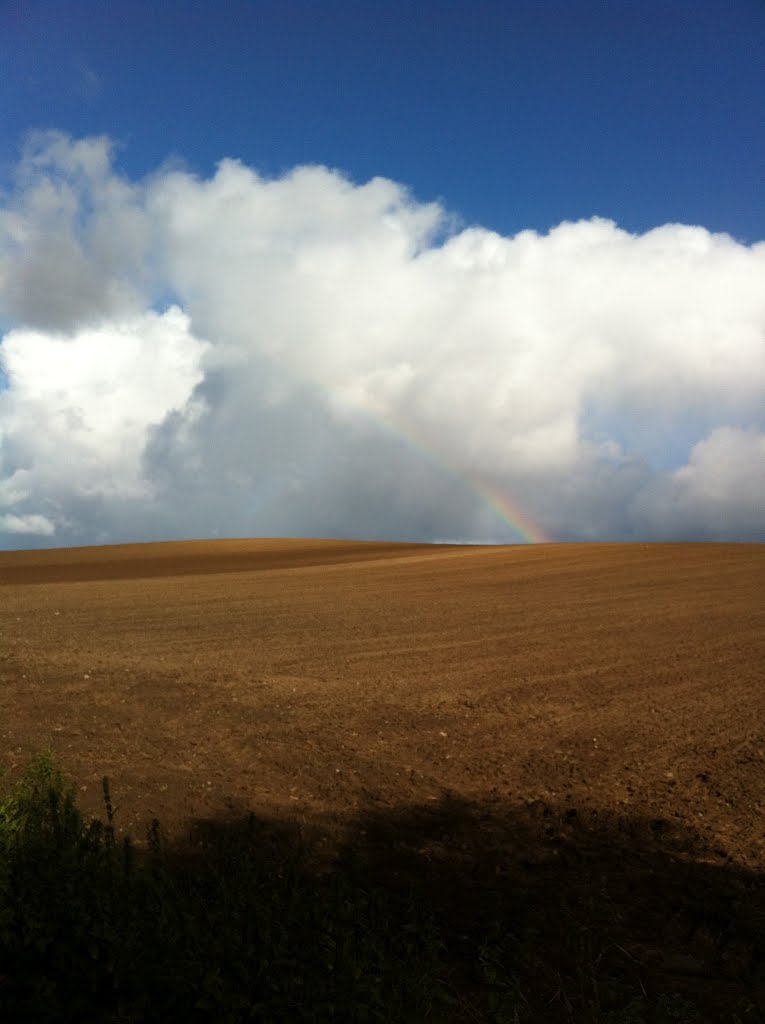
{"type": "Point", "coordinates": [33, 524]}
{"type": "Point", "coordinates": [306, 355]}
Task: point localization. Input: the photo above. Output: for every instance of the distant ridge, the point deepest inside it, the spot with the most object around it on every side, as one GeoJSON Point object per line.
{"type": "Point", "coordinates": [193, 557]}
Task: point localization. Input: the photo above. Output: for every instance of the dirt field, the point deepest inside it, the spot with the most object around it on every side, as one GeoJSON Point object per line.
{"type": "Point", "coordinates": [322, 678]}
{"type": "Point", "coordinates": [575, 729]}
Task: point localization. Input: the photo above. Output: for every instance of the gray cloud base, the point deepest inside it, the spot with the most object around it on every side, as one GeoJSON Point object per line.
{"type": "Point", "coordinates": [307, 356]}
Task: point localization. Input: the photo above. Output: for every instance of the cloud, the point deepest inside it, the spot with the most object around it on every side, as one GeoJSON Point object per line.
{"type": "Point", "coordinates": [77, 413]}
{"type": "Point", "coordinates": [720, 491]}
{"type": "Point", "coordinates": [38, 525]}
{"type": "Point", "coordinates": [74, 237]}
{"type": "Point", "coordinates": [340, 359]}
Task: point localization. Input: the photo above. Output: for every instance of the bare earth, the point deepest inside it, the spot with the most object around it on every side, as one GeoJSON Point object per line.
{"type": "Point", "coordinates": [574, 733]}
{"type": "Point", "coordinates": [323, 679]}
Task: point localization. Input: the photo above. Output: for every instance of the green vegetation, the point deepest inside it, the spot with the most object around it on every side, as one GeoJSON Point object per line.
{"type": "Point", "coordinates": [90, 930]}
{"type": "Point", "coordinates": [244, 923]}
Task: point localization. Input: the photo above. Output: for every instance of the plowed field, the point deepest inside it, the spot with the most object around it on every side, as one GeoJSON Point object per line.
{"type": "Point", "coordinates": [319, 679]}
{"type": "Point", "coordinates": [575, 734]}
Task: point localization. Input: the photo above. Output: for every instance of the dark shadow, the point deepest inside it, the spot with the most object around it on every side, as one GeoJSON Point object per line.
{"type": "Point", "coordinates": [451, 912]}
{"type": "Point", "coordinates": [552, 914]}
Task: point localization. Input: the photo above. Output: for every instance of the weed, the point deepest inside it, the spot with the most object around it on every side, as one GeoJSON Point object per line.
{"type": "Point", "coordinates": [91, 930]}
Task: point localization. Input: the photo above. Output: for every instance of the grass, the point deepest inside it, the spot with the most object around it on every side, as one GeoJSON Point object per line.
{"type": "Point", "coordinates": [91, 930]}
{"type": "Point", "coordinates": [244, 924]}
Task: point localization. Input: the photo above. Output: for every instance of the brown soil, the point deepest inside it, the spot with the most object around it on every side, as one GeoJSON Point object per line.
{"type": "Point", "coordinates": [332, 682]}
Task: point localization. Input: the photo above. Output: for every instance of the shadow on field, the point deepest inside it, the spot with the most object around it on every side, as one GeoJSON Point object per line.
{"type": "Point", "coordinates": [451, 912]}
{"type": "Point", "coordinates": [546, 914]}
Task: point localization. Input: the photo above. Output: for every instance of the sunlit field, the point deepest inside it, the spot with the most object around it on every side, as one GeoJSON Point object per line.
{"type": "Point", "coordinates": [535, 774]}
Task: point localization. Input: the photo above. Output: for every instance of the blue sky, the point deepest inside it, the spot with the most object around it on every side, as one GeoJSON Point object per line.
{"type": "Point", "coordinates": [477, 271]}
{"type": "Point", "coordinates": [514, 114]}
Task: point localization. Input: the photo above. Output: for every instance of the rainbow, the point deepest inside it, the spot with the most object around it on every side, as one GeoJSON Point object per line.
{"type": "Point", "coordinates": [508, 511]}
{"type": "Point", "coordinates": [489, 493]}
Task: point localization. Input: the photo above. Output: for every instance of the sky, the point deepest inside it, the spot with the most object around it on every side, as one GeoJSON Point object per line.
{"type": "Point", "coordinates": [481, 272]}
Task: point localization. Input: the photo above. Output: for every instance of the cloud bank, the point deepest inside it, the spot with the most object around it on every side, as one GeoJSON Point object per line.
{"type": "Point", "coordinates": [306, 356]}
